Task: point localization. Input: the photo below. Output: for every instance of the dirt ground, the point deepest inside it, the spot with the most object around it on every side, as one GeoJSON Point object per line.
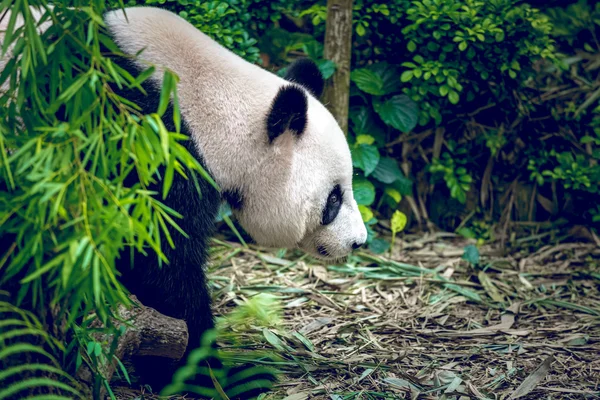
{"type": "Point", "coordinates": [426, 322]}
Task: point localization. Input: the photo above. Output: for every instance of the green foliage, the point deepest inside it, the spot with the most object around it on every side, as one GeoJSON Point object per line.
{"type": "Point", "coordinates": [477, 228]}
{"type": "Point", "coordinates": [459, 46]}
{"type": "Point", "coordinates": [451, 167]}
{"type": "Point", "coordinates": [251, 316]}
{"type": "Point", "coordinates": [572, 171]}
{"type": "Point", "coordinates": [21, 333]}
{"type": "Point", "coordinates": [261, 310]}
{"type": "Point", "coordinates": [576, 18]}
{"type": "Point", "coordinates": [69, 174]}
{"type": "Point", "coordinates": [471, 255]}
{"type": "Point", "coordinates": [416, 65]}
{"type": "Point", "coordinates": [65, 211]}
{"type": "Point", "coordinates": [382, 113]}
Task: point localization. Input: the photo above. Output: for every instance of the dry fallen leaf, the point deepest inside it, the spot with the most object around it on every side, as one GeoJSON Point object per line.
{"type": "Point", "coordinates": [533, 380]}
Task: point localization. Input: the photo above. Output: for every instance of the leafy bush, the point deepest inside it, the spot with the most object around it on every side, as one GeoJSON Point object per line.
{"type": "Point", "coordinates": [454, 49]}
{"type": "Point", "coordinates": [380, 112]}
{"type": "Point", "coordinates": [576, 23]}
{"type": "Point", "coordinates": [459, 47]}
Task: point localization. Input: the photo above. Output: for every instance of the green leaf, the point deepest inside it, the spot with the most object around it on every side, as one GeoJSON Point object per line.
{"type": "Point", "coordinates": [471, 255]}
{"type": "Point", "coordinates": [364, 191]}
{"type": "Point", "coordinates": [403, 185]}
{"type": "Point", "coordinates": [368, 81]}
{"type": "Point", "coordinates": [406, 76]}
{"type": "Point", "coordinates": [274, 340]}
{"type": "Point", "coordinates": [364, 122]}
{"type": "Point", "coordinates": [379, 246]}
{"type": "Point", "coordinates": [462, 46]}
{"type": "Point", "coordinates": [453, 97]}
{"type": "Point", "coordinates": [411, 46]}
{"type": "Point", "coordinates": [466, 232]}
{"type": "Point", "coordinates": [365, 157]}
{"type": "Point", "coordinates": [394, 194]}
{"type": "Point", "coordinates": [360, 30]}
{"type": "Point", "coordinates": [468, 293]}
{"type": "Point", "coordinates": [327, 68]}
{"type": "Point", "coordinates": [398, 222]}
{"type": "Point", "coordinates": [165, 94]}
{"type": "Point", "coordinates": [387, 171]}
{"type": "Point", "coordinates": [400, 112]}
{"type": "Point", "coordinates": [366, 213]}
{"type": "Point", "coordinates": [389, 75]}
{"type": "Point", "coordinates": [365, 139]}
{"type": "Point", "coordinates": [377, 79]}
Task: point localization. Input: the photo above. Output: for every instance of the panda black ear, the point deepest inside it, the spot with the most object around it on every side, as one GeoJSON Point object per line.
{"type": "Point", "coordinates": [305, 72]}
{"type": "Point", "coordinates": [288, 111]}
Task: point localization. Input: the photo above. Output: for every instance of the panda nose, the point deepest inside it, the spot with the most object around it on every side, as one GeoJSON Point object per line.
{"type": "Point", "coordinates": [357, 245]}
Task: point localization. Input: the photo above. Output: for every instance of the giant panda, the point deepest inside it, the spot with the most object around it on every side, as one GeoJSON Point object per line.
{"type": "Point", "coordinates": [278, 155]}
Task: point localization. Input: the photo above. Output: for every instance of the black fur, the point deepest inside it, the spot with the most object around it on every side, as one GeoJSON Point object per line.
{"type": "Point", "coordinates": [306, 73]}
{"type": "Point", "coordinates": [234, 197]}
{"type": "Point", "coordinates": [332, 208]}
{"type": "Point", "coordinates": [288, 111]}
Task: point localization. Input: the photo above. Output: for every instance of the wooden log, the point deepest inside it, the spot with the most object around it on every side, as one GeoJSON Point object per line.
{"type": "Point", "coordinates": [148, 333]}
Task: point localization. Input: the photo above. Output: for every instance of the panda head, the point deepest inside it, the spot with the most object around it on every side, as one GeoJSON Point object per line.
{"type": "Point", "coordinates": [301, 195]}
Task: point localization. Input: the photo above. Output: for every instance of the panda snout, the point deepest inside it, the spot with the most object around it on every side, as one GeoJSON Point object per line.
{"type": "Point", "coordinates": [322, 251]}
{"type": "Point", "coordinates": [357, 245]}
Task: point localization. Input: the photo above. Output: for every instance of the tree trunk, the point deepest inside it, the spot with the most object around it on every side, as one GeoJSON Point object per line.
{"type": "Point", "coordinates": [338, 48]}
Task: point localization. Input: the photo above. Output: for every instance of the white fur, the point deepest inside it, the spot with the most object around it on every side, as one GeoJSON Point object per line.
{"type": "Point", "coordinates": [225, 101]}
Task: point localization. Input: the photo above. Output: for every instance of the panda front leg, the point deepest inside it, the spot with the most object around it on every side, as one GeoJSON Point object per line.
{"type": "Point", "coordinates": [190, 301]}
{"type": "Point", "coordinates": [178, 290]}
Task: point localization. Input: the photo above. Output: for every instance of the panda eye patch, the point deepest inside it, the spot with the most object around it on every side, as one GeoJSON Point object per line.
{"type": "Point", "coordinates": [333, 205]}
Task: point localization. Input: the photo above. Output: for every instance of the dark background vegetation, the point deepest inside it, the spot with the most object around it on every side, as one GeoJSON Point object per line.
{"type": "Point", "coordinates": [475, 117]}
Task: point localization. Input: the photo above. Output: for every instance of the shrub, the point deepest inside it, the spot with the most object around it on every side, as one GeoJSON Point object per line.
{"type": "Point", "coordinates": [459, 47]}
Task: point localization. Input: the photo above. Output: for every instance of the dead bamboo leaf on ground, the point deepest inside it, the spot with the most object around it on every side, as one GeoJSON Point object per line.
{"type": "Point", "coordinates": [534, 379]}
